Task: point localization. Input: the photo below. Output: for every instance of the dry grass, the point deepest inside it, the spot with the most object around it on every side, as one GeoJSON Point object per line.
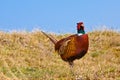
{"type": "Point", "coordinates": [30, 56]}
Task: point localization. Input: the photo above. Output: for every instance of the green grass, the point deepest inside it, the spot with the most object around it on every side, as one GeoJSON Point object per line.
{"type": "Point", "coordinates": [31, 56]}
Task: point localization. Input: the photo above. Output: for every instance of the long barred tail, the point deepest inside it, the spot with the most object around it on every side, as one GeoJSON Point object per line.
{"type": "Point", "coordinates": [50, 37]}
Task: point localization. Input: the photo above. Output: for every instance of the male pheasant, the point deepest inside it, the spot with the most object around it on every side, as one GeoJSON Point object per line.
{"type": "Point", "coordinates": [72, 47]}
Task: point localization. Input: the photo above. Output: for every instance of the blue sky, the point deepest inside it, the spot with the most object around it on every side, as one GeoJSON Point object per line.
{"type": "Point", "coordinates": [58, 16]}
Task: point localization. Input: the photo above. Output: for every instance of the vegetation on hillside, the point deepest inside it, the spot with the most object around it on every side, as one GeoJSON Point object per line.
{"type": "Point", "coordinates": [31, 56]}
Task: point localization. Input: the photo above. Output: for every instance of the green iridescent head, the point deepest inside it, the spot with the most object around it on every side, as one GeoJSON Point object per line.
{"type": "Point", "coordinates": [80, 28]}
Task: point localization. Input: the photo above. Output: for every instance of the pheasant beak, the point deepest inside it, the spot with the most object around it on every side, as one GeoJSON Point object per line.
{"type": "Point", "coordinates": [82, 27]}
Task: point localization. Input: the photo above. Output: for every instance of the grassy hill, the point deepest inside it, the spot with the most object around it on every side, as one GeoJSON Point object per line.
{"type": "Point", "coordinates": [31, 56]}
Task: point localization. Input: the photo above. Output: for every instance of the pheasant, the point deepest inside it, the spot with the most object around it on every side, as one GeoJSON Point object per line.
{"type": "Point", "coordinates": [72, 47]}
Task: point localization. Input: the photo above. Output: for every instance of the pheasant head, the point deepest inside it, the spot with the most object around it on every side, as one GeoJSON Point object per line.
{"type": "Point", "coordinates": [80, 28]}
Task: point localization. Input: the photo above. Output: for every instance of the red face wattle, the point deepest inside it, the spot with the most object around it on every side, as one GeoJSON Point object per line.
{"type": "Point", "coordinates": [80, 26]}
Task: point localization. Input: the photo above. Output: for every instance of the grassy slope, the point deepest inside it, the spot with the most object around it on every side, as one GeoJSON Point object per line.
{"type": "Point", "coordinates": [30, 56]}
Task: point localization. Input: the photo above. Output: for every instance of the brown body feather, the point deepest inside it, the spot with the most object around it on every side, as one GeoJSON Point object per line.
{"type": "Point", "coordinates": [72, 47]}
